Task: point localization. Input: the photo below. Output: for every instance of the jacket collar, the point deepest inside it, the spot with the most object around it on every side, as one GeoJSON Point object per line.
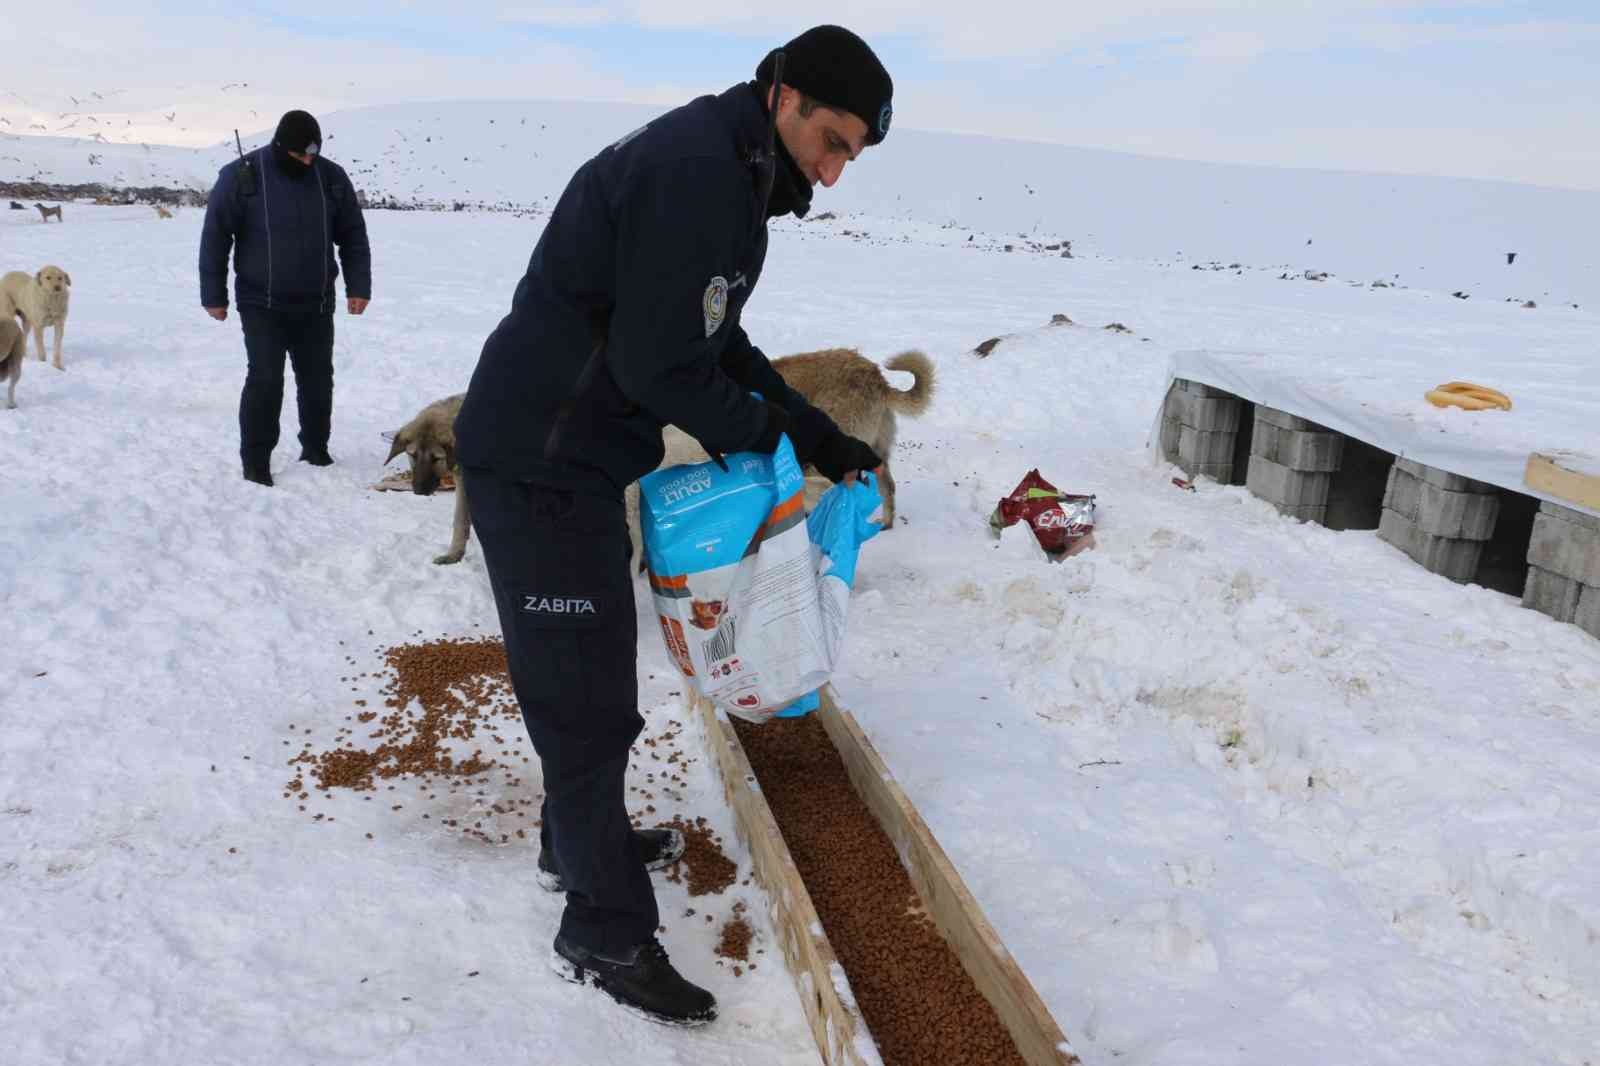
{"type": "Point", "coordinates": [791, 193]}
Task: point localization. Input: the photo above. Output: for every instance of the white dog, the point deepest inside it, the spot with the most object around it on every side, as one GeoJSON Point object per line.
{"type": "Point", "coordinates": [41, 300]}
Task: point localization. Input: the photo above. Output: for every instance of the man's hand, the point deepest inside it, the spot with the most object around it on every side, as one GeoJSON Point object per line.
{"type": "Point", "coordinates": [357, 304]}
{"type": "Point", "coordinates": [218, 313]}
{"type": "Point", "coordinates": [777, 425]}
{"type": "Point", "coordinates": [840, 456]}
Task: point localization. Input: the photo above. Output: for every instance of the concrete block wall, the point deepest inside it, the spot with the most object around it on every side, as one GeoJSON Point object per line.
{"type": "Point", "coordinates": [1200, 429]}
{"type": "Point", "coordinates": [1292, 463]}
{"type": "Point", "coordinates": [1439, 519]}
{"type": "Point", "coordinates": [1564, 567]}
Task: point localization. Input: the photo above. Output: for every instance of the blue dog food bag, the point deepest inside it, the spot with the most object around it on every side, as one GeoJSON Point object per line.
{"type": "Point", "coordinates": [752, 596]}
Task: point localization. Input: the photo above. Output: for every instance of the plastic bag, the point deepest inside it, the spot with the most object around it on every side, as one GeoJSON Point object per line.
{"type": "Point", "coordinates": [1062, 523]}
{"type": "Point", "coordinates": [751, 610]}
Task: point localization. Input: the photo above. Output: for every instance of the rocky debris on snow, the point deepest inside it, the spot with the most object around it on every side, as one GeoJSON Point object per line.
{"type": "Point", "coordinates": [94, 191]}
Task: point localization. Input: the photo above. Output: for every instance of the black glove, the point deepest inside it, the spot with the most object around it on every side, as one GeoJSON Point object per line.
{"type": "Point", "coordinates": [777, 425]}
{"type": "Point", "coordinates": [839, 454]}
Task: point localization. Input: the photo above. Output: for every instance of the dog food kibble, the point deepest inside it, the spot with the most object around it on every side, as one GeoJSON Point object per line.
{"type": "Point", "coordinates": [440, 696]}
{"type": "Point", "coordinates": [703, 865]}
{"type": "Point", "coordinates": [735, 941]}
{"type": "Point", "coordinates": [917, 1000]}
{"type": "Point", "coordinates": [458, 684]}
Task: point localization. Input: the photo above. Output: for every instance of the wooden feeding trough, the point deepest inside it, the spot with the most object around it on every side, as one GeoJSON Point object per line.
{"type": "Point", "coordinates": [836, 1019]}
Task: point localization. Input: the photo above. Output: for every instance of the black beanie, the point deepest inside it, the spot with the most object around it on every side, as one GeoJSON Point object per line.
{"type": "Point", "coordinates": [298, 132]}
{"type": "Point", "coordinates": [836, 68]}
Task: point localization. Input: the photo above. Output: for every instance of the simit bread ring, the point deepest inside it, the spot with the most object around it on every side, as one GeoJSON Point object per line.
{"type": "Point", "coordinates": [1466, 395]}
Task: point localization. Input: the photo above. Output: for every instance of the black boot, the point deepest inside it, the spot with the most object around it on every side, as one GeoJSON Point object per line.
{"type": "Point", "coordinates": [641, 979]}
{"type": "Point", "coordinates": [259, 472]}
{"type": "Point", "coordinates": [657, 847]}
{"type": "Point", "coordinates": [316, 456]}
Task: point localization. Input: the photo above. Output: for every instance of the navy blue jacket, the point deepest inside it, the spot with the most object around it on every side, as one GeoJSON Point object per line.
{"type": "Point", "coordinates": [628, 316]}
{"type": "Point", "coordinates": [282, 238]}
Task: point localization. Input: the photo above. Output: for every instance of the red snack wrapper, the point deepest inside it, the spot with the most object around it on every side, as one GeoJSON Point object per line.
{"type": "Point", "coordinates": [1062, 523]}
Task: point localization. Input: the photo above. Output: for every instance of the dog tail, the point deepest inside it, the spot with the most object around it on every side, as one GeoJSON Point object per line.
{"type": "Point", "coordinates": [912, 401]}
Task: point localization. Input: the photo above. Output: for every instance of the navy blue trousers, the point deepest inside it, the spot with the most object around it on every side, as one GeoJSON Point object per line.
{"type": "Point", "coordinates": [558, 566]}
{"type": "Point", "coordinates": [306, 337]}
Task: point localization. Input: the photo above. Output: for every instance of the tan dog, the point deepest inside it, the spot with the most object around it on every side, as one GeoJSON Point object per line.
{"type": "Point", "coordinates": [846, 386]}
{"type": "Point", "coordinates": [161, 212]}
{"type": "Point", "coordinates": [13, 350]}
{"type": "Point", "coordinates": [850, 389]}
{"type": "Point", "coordinates": [46, 212]}
{"type": "Point", "coordinates": [430, 441]}
{"type": "Point", "coordinates": [41, 299]}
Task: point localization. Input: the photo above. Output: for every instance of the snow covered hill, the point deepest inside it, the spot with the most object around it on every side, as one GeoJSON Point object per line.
{"type": "Point", "coordinates": [1441, 234]}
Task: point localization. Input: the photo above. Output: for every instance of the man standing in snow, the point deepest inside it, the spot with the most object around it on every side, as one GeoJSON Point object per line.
{"type": "Point", "coordinates": [281, 210]}
{"type": "Point", "coordinates": [627, 320]}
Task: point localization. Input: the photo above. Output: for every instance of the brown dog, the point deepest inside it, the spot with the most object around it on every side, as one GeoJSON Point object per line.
{"type": "Point", "coordinates": [846, 386]}
{"type": "Point", "coordinates": [46, 212]}
{"type": "Point", "coordinates": [13, 350]}
{"type": "Point", "coordinates": [850, 389]}
{"type": "Point", "coordinates": [429, 440]}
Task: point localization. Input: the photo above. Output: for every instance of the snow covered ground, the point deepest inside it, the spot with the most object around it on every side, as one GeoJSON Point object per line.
{"type": "Point", "coordinates": [1234, 789]}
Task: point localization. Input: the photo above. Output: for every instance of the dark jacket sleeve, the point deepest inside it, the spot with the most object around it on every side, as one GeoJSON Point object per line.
{"type": "Point", "coordinates": [350, 234]}
{"type": "Point", "coordinates": [216, 241]}
{"type": "Point", "coordinates": [747, 365]}
{"type": "Point", "coordinates": [677, 229]}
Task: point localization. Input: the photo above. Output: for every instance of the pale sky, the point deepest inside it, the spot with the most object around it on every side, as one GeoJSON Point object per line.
{"type": "Point", "coordinates": [1507, 90]}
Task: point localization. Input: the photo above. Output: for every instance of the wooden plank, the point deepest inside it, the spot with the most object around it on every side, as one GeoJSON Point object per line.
{"type": "Point", "coordinates": [952, 907]}
{"type": "Point", "coordinates": [836, 1024]}
{"type": "Point", "coordinates": [1554, 476]}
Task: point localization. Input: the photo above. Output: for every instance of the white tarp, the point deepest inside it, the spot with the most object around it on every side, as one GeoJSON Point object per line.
{"type": "Point", "coordinates": [1555, 408]}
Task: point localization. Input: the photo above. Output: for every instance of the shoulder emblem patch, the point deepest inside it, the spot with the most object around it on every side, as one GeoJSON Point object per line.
{"type": "Point", "coordinates": [714, 303]}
